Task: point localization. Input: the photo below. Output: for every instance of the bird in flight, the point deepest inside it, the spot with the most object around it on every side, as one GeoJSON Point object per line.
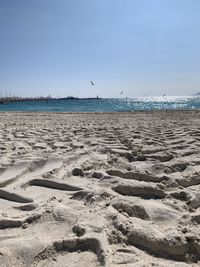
{"type": "Point", "coordinates": [121, 92]}
{"type": "Point", "coordinates": [92, 83]}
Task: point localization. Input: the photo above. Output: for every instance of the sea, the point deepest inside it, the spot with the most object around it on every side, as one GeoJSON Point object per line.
{"type": "Point", "coordinates": [106, 105]}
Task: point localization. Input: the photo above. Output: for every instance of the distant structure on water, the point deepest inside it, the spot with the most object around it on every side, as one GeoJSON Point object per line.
{"type": "Point", "coordinates": [6, 100]}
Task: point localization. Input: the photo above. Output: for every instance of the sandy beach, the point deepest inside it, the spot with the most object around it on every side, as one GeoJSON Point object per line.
{"type": "Point", "coordinates": [92, 189]}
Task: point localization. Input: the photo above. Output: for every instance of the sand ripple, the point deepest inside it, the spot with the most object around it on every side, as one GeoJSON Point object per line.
{"type": "Point", "coordinates": [100, 189]}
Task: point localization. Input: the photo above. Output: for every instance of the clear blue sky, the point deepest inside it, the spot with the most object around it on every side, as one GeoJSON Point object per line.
{"type": "Point", "coordinates": [56, 47]}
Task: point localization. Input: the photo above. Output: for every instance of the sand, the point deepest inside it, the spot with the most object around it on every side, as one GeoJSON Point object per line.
{"type": "Point", "coordinates": [118, 189]}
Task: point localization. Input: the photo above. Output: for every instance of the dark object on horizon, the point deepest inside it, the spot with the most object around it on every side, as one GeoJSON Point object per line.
{"type": "Point", "coordinates": [77, 98]}
{"type": "Point", "coordinates": [67, 98]}
{"type": "Point", "coordinates": [90, 98]}
{"type": "Point", "coordinates": [92, 83]}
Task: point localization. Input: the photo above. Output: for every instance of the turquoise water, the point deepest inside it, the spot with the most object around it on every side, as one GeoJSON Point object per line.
{"type": "Point", "coordinates": [106, 105]}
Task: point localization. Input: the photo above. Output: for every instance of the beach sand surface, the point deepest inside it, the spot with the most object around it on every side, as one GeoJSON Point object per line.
{"type": "Point", "coordinates": [100, 189]}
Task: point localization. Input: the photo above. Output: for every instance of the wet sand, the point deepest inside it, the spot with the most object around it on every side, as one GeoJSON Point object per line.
{"type": "Point", "coordinates": [91, 189]}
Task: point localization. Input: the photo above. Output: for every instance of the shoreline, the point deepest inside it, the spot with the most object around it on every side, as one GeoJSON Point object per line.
{"type": "Point", "coordinates": [107, 112]}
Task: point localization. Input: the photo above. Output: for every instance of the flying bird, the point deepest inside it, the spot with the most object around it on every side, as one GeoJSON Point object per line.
{"type": "Point", "coordinates": [121, 92]}
{"type": "Point", "coordinates": [92, 83]}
